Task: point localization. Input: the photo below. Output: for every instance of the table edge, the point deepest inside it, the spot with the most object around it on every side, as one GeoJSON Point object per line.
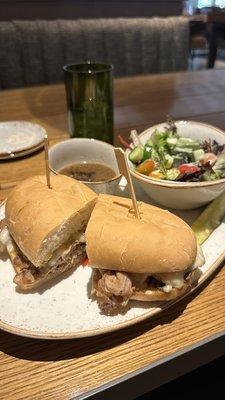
{"type": "Point", "coordinates": [159, 372]}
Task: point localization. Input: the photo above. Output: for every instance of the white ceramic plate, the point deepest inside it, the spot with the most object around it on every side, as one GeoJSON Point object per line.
{"type": "Point", "coordinates": [19, 138]}
{"type": "Point", "coordinates": [63, 309]}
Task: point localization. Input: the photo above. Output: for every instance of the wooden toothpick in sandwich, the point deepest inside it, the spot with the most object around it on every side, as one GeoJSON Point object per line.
{"type": "Point", "coordinates": [124, 170]}
{"type": "Point", "coordinates": [47, 168]}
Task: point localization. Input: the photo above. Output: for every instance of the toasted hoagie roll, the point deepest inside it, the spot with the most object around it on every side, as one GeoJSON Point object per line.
{"type": "Point", "coordinates": [151, 259]}
{"type": "Point", "coordinates": [44, 228]}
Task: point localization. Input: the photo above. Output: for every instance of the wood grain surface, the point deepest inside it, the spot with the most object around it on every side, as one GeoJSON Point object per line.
{"type": "Point", "coordinates": [37, 370]}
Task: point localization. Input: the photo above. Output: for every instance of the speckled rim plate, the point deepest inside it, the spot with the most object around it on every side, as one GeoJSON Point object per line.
{"type": "Point", "coordinates": [214, 245]}
{"type": "Point", "coordinates": [20, 138]}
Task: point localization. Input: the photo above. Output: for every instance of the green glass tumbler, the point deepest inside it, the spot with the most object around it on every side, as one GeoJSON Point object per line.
{"type": "Point", "coordinates": [89, 92]}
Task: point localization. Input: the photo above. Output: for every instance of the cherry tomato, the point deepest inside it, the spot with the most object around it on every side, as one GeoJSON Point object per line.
{"type": "Point", "coordinates": [188, 169]}
{"type": "Point", "coordinates": [146, 167]}
{"type": "Point", "coordinates": [209, 158]}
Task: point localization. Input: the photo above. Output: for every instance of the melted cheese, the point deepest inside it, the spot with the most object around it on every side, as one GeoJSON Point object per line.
{"type": "Point", "coordinates": [65, 248]}
{"type": "Point", "coordinates": [5, 240]}
{"type": "Point", "coordinates": [171, 280]}
{"type": "Point", "coordinates": [167, 288]}
{"type": "Point", "coordinates": [61, 251]}
{"type": "Point", "coordinates": [176, 279]}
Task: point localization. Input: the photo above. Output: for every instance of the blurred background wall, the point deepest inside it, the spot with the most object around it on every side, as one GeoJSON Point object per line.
{"type": "Point", "coordinates": [72, 9]}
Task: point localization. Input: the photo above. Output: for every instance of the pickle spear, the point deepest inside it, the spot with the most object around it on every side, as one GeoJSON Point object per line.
{"type": "Point", "coordinates": [210, 219]}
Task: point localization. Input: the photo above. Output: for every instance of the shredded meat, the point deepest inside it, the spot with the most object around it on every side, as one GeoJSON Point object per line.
{"type": "Point", "coordinates": [25, 276]}
{"type": "Point", "coordinates": [28, 273]}
{"type": "Point", "coordinates": [2, 224]}
{"type": "Point", "coordinates": [117, 283]}
{"type": "Point", "coordinates": [113, 290]}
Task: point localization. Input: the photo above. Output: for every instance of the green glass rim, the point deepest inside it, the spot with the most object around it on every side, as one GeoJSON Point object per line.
{"type": "Point", "coordinates": [91, 68]}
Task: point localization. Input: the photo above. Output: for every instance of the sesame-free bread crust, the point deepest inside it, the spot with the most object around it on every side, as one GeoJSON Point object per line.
{"type": "Point", "coordinates": [40, 219]}
{"type": "Point", "coordinates": [158, 242]}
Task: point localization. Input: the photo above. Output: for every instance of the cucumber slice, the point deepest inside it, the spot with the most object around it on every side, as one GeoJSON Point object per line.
{"type": "Point", "coordinates": [185, 150]}
{"type": "Point", "coordinates": [210, 219]}
{"type": "Point", "coordinates": [136, 154]}
{"type": "Point", "coordinates": [198, 154]}
{"type": "Point", "coordinates": [169, 161]}
{"type": "Point", "coordinates": [190, 143]}
{"type": "Point", "coordinates": [171, 141]}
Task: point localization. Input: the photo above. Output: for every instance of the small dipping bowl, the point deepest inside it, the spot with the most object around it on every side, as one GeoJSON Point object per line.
{"type": "Point", "coordinates": [83, 150]}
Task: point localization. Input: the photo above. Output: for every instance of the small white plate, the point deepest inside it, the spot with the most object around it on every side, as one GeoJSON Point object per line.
{"type": "Point", "coordinates": [19, 138]}
{"type": "Point", "coordinates": [64, 310]}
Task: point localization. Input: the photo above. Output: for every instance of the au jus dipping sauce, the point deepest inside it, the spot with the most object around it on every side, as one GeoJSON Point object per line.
{"type": "Point", "coordinates": [89, 172]}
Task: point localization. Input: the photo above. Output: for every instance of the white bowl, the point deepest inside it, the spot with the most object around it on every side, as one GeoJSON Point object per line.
{"type": "Point", "coordinates": [182, 195]}
{"type": "Point", "coordinates": [90, 150]}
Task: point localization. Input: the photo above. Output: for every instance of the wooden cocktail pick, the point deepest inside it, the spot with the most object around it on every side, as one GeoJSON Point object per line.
{"type": "Point", "coordinates": [135, 138]}
{"type": "Point", "coordinates": [124, 170]}
{"type": "Point", "coordinates": [47, 168]}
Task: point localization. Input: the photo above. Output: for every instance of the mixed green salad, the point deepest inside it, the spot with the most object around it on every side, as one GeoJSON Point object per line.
{"type": "Point", "coordinates": [166, 155]}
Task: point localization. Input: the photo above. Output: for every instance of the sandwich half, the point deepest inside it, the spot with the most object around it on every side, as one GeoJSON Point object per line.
{"type": "Point", "coordinates": [44, 228]}
{"type": "Point", "coordinates": [151, 259]}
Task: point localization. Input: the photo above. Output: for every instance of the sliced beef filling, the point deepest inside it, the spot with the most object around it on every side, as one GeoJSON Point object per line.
{"type": "Point", "coordinates": [2, 224]}
{"type": "Point", "coordinates": [113, 289]}
{"type": "Point", "coordinates": [28, 273]}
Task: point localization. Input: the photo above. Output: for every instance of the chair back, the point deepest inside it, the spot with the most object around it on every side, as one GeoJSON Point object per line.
{"type": "Point", "coordinates": [33, 52]}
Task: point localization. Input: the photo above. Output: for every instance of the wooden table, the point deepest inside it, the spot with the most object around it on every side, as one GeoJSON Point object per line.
{"type": "Point", "coordinates": [130, 362]}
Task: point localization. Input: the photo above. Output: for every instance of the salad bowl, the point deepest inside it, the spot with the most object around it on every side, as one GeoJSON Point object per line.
{"type": "Point", "coordinates": [176, 194]}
